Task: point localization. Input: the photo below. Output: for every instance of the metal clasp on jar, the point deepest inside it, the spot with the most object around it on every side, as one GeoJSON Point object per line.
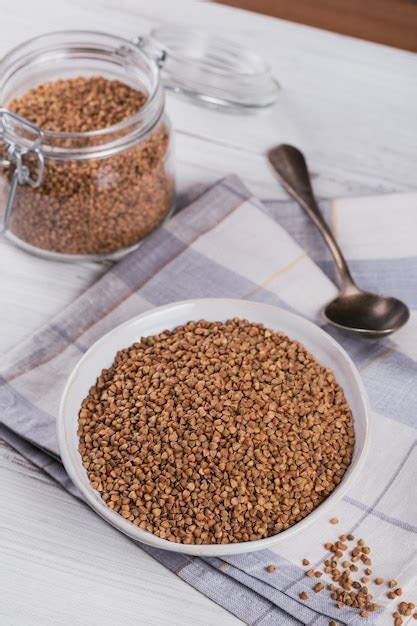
{"type": "Point", "coordinates": [152, 49]}
{"type": "Point", "coordinates": [23, 140]}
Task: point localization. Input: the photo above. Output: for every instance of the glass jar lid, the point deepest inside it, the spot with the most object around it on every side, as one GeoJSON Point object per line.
{"type": "Point", "coordinates": [213, 70]}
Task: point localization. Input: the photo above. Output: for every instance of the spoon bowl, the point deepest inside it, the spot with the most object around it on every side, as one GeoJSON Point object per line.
{"type": "Point", "coordinates": [367, 313]}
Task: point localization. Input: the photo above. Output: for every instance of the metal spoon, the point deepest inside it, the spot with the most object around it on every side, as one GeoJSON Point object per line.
{"type": "Point", "coordinates": [353, 309]}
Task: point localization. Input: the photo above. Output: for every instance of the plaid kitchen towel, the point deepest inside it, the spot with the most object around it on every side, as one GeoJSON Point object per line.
{"type": "Point", "coordinates": [228, 244]}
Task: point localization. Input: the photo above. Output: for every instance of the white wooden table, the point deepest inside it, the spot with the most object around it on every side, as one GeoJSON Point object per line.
{"type": "Point", "coordinates": [350, 105]}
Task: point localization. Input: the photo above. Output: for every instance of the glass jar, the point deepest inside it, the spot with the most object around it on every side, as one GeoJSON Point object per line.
{"type": "Point", "coordinates": [84, 195]}
{"type": "Point", "coordinates": [94, 195]}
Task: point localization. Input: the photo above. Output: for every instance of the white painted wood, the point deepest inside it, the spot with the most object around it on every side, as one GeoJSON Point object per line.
{"type": "Point", "coordinates": [350, 105]}
{"type": "Point", "coordinates": [61, 564]}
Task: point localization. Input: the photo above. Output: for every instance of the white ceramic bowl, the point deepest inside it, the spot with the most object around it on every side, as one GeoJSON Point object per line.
{"type": "Point", "coordinates": [101, 354]}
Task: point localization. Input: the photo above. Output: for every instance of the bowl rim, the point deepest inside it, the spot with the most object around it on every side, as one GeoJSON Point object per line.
{"type": "Point", "coordinates": [73, 467]}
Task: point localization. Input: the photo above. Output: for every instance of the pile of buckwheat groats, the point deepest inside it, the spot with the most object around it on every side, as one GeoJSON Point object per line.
{"type": "Point", "coordinates": [92, 205]}
{"type": "Point", "coordinates": [216, 432]}
{"type": "Point", "coordinates": [79, 104]}
{"type": "Point", "coordinates": [347, 592]}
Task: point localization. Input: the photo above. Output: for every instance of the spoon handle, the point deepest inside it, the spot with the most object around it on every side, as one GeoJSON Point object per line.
{"type": "Point", "coordinates": [290, 165]}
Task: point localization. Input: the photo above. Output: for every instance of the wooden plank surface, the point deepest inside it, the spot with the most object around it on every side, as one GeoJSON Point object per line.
{"type": "Point", "coordinates": [62, 564]}
{"type": "Point", "coordinates": [391, 22]}
{"type": "Point", "coordinates": [350, 105]}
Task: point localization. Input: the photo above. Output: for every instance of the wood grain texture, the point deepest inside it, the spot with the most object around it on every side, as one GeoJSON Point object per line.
{"type": "Point", "coordinates": [391, 22]}
{"type": "Point", "coordinates": [350, 105]}
{"type": "Point", "coordinates": [61, 564]}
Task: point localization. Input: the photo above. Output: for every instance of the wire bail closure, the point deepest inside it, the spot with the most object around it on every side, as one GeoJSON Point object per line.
{"type": "Point", "coordinates": [159, 55]}
{"type": "Point", "coordinates": [16, 156]}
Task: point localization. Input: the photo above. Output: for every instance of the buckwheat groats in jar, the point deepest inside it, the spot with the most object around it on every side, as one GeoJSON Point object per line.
{"type": "Point", "coordinates": [101, 203]}
{"type": "Point", "coordinates": [215, 433]}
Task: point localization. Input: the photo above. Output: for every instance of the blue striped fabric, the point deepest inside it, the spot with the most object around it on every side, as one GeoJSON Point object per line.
{"type": "Point", "coordinates": [226, 243]}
